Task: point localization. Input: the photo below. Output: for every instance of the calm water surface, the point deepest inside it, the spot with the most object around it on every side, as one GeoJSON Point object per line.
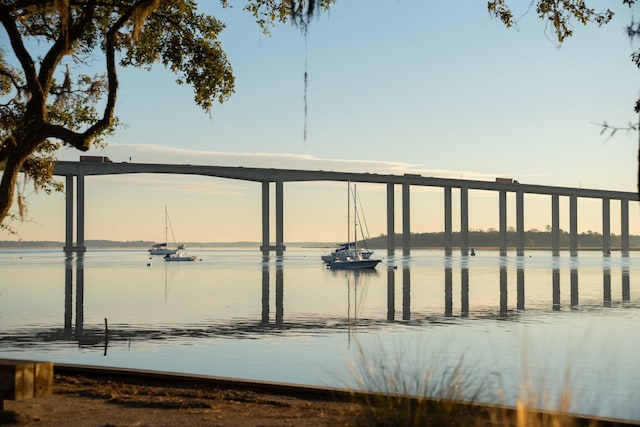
{"type": "Point", "coordinates": [524, 327]}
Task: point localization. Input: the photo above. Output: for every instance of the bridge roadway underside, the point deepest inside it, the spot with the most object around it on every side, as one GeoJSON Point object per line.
{"type": "Point", "coordinates": [266, 176]}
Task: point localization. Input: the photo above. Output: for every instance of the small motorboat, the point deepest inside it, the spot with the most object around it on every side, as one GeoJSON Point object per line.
{"type": "Point", "coordinates": [180, 256]}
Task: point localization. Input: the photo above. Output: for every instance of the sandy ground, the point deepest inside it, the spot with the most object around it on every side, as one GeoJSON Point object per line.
{"type": "Point", "coordinates": [114, 400]}
{"type": "Point", "coordinates": [79, 401]}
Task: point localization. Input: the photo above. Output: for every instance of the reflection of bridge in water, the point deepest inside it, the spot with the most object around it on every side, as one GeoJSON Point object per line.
{"type": "Point", "coordinates": [456, 283]}
{"type": "Point", "coordinates": [276, 322]}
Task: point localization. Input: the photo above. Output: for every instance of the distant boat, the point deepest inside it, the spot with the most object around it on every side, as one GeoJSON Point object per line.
{"type": "Point", "coordinates": [352, 258]}
{"type": "Point", "coordinates": [343, 250]}
{"type": "Point", "coordinates": [180, 256]}
{"type": "Point", "coordinates": [161, 248]}
{"type": "Point", "coordinates": [353, 262]}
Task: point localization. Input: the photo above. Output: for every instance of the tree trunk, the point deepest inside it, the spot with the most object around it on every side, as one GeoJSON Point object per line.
{"type": "Point", "coordinates": [8, 184]}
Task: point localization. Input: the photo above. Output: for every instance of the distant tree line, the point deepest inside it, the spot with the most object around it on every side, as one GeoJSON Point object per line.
{"type": "Point", "coordinates": [88, 243]}
{"type": "Point", "coordinates": [491, 238]}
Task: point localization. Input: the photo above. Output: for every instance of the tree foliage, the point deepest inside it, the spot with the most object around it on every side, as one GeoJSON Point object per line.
{"type": "Point", "coordinates": [51, 96]}
{"type": "Point", "coordinates": [560, 15]}
{"type": "Point", "coordinates": [50, 99]}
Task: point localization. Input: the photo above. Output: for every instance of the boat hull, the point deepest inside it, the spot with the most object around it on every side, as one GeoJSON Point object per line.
{"type": "Point", "coordinates": [180, 258]}
{"type": "Point", "coordinates": [353, 264]}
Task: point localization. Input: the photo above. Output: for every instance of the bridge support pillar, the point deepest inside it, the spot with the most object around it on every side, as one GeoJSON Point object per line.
{"type": "Point", "coordinates": [69, 247]}
{"type": "Point", "coordinates": [80, 247]}
{"type": "Point", "coordinates": [448, 232]}
{"type": "Point", "coordinates": [390, 219]}
{"type": "Point", "coordinates": [280, 248]}
{"type": "Point", "coordinates": [406, 219]}
{"type": "Point", "coordinates": [606, 225]}
{"type": "Point", "coordinates": [464, 220]}
{"type": "Point", "coordinates": [624, 226]}
{"type": "Point", "coordinates": [555, 225]}
{"type": "Point", "coordinates": [68, 198]}
{"type": "Point", "coordinates": [520, 223]}
{"type": "Point", "coordinates": [503, 222]}
{"type": "Point", "coordinates": [265, 246]}
{"type": "Point", "coordinates": [573, 225]}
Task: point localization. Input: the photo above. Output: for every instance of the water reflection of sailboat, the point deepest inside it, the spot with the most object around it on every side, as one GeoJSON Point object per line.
{"type": "Point", "coordinates": [166, 285]}
{"type": "Point", "coordinates": [356, 293]}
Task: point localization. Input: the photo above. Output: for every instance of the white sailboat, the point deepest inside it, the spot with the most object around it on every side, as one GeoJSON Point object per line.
{"type": "Point", "coordinates": [161, 248]}
{"type": "Point", "coordinates": [342, 250]}
{"type": "Point", "coordinates": [353, 258]}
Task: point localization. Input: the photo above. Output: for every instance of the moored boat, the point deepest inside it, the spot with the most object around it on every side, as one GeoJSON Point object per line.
{"type": "Point", "coordinates": [345, 250]}
{"type": "Point", "coordinates": [161, 249]}
{"type": "Point", "coordinates": [349, 256]}
{"type": "Point", "coordinates": [180, 256]}
{"type": "Point", "coordinates": [354, 262]}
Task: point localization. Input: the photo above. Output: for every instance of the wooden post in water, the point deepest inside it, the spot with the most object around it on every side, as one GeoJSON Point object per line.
{"type": "Point", "coordinates": [106, 336]}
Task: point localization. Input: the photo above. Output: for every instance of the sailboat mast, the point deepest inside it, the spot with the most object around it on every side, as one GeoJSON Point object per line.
{"type": "Point", "coordinates": [355, 219]}
{"type": "Point", "coordinates": [166, 226]}
{"type": "Point", "coordinates": [348, 214]}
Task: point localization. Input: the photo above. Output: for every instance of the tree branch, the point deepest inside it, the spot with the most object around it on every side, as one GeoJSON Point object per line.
{"type": "Point", "coordinates": [61, 47]}
{"type": "Point", "coordinates": [26, 62]}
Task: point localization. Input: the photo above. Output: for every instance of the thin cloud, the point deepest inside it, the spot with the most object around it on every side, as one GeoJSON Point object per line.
{"type": "Point", "coordinates": [147, 153]}
{"type": "Point", "coordinates": [164, 183]}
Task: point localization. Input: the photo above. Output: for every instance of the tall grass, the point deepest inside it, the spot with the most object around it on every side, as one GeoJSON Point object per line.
{"type": "Point", "coordinates": [403, 391]}
{"type": "Point", "coordinates": [404, 387]}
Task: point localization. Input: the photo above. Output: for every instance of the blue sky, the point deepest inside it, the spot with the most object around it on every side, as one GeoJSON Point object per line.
{"type": "Point", "coordinates": [403, 86]}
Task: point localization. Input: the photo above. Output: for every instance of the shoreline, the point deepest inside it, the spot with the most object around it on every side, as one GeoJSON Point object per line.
{"type": "Point", "coordinates": [5, 244]}
{"type": "Point", "coordinates": [93, 395]}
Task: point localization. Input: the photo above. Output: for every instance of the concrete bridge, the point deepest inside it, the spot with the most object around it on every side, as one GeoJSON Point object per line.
{"type": "Point", "coordinates": [267, 176]}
